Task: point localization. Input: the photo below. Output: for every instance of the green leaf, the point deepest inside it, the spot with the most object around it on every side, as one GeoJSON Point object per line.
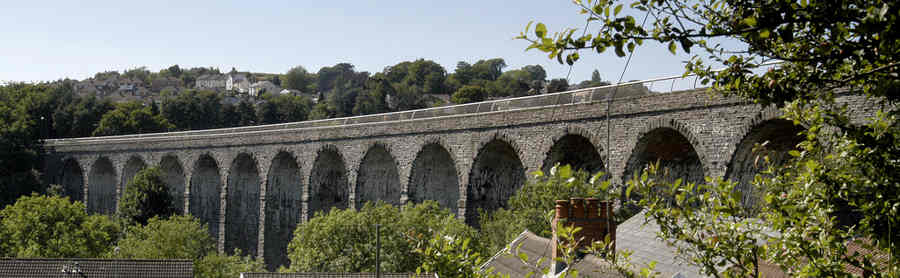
{"type": "Point", "coordinates": [565, 171]}
{"type": "Point", "coordinates": [523, 256]}
{"type": "Point", "coordinates": [540, 30]}
{"type": "Point", "coordinates": [672, 47]}
{"type": "Point", "coordinates": [750, 21]}
{"type": "Point", "coordinates": [618, 9]}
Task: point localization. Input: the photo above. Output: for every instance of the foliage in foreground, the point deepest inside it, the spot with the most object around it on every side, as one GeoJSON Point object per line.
{"type": "Point", "coordinates": [840, 189]}
{"type": "Point", "coordinates": [452, 257]}
{"type": "Point", "coordinates": [53, 227]}
{"type": "Point", "coordinates": [146, 196]}
{"type": "Point", "coordinates": [177, 237]}
{"type": "Point", "coordinates": [532, 206]}
{"type": "Point", "coordinates": [344, 240]}
{"type": "Point", "coordinates": [215, 265]}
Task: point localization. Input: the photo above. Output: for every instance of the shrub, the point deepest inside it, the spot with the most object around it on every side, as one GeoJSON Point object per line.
{"type": "Point", "coordinates": [53, 227]}
{"type": "Point", "coordinates": [344, 240]}
{"type": "Point", "coordinates": [146, 196]}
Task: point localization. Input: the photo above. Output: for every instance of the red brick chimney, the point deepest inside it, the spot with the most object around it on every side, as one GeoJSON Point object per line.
{"type": "Point", "coordinates": [591, 216]}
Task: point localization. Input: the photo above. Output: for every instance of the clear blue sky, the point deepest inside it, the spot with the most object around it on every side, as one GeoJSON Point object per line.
{"type": "Point", "coordinates": [47, 40]}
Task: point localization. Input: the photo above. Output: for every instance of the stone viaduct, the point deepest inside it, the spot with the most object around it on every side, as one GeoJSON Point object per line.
{"type": "Point", "coordinates": [253, 185]}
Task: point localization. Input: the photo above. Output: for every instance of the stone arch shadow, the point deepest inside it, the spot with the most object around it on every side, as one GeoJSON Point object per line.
{"type": "Point", "coordinates": [568, 146]}
{"type": "Point", "coordinates": [102, 182]}
{"type": "Point", "coordinates": [71, 179]}
{"type": "Point", "coordinates": [378, 176]}
{"type": "Point", "coordinates": [497, 172]}
{"type": "Point", "coordinates": [747, 160]}
{"type": "Point", "coordinates": [243, 204]}
{"type": "Point", "coordinates": [205, 191]}
{"type": "Point", "coordinates": [328, 185]}
{"type": "Point", "coordinates": [434, 175]}
{"type": "Point", "coordinates": [283, 207]}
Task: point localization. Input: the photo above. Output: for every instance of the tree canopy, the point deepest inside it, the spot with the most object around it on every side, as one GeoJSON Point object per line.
{"type": "Point", "coordinates": [176, 237]}
{"type": "Point", "coordinates": [54, 227]}
{"type": "Point", "coordinates": [147, 196]}
{"type": "Point", "coordinates": [344, 240]}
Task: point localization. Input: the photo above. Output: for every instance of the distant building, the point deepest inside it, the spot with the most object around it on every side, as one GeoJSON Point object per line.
{"type": "Point", "coordinates": [211, 81]}
{"type": "Point", "coordinates": [238, 82]}
{"type": "Point", "coordinates": [158, 84]}
{"type": "Point", "coordinates": [263, 86]}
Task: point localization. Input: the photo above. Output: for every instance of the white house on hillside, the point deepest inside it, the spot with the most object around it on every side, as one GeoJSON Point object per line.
{"type": "Point", "coordinates": [238, 82]}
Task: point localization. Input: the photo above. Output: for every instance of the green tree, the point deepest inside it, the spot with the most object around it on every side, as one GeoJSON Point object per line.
{"type": "Point", "coordinates": [53, 227]}
{"type": "Point", "coordinates": [467, 94]}
{"type": "Point", "coordinates": [344, 240]}
{"type": "Point", "coordinates": [374, 99]}
{"type": "Point", "coordinates": [194, 110]}
{"type": "Point", "coordinates": [595, 81]}
{"type": "Point", "coordinates": [298, 78]}
{"type": "Point", "coordinates": [557, 85]}
{"type": "Point", "coordinates": [230, 115]}
{"type": "Point", "coordinates": [139, 73]}
{"type": "Point", "coordinates": [489, 70]}
{"type": "Point", "coordinates": [176, 237]}
{"type": "Point", "coordinates": [146, 196]}
{"type": "Point", "coordinates": [247, 113]}
{"type": "Point", "coordinates": [840, 186]}
{"type": "Point", "coordinates": [131, 118]}
{"type": "Point", "coordinates": [19, 144]}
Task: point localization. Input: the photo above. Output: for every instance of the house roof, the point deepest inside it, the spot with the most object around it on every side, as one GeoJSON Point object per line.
{"type": "Point", "coordinates": [640, 236]}
{"type": "Point", "coordinates": [636, 235]}
{"type": "Point", "coordinates": [25, 268]}
{"type": "Point", "coordinates": [238, 76]}
{"type": "Point", "coordinates": [212, 77]}
{"type": "Point", "coordinates": [535, 247]}
{"type": "Point", "coordinates": [334, 275]}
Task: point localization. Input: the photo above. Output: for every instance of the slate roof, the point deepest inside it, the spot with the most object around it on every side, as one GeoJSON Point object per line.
{"type": "Point", "coordinates": [536, 247]}
{"type": "Point", "coordinates": [640, 238]}
{"type": "Point", "coordinates": [334, 275]}
{"type": "Point", "coordinates": [212, 77]}
{"type": "Point", "coordinates": [95, 268]}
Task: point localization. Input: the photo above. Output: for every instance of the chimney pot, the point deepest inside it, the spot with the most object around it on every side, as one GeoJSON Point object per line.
{"type": "Point", "coordinates": [592, 207]}
{"type": "Point", "coordinates": [562, 209]}
{"type": "Point", "coordinates": [577, 207]}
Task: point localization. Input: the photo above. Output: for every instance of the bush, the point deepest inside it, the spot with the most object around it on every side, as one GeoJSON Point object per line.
{"type": "Point", "coordinates": [178, 237]}
{"type": "Point", "coordinates": [215, 265]}
{"type": "Point", "coordinates": [468, 93]}
{"type": "Point", "coordinates": [53, 227]}
{"type": "Point", "coordinates": [344, 240]}
{"type": "Point", "coordinates": [146, 196]}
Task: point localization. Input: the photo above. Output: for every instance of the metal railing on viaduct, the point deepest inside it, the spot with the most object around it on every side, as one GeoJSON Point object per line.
{"type": "Point", "coordinates": [253, 185]}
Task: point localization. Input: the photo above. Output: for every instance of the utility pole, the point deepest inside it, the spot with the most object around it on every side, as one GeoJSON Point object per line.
{"type": "Point", "coordinates": [377, 250]}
